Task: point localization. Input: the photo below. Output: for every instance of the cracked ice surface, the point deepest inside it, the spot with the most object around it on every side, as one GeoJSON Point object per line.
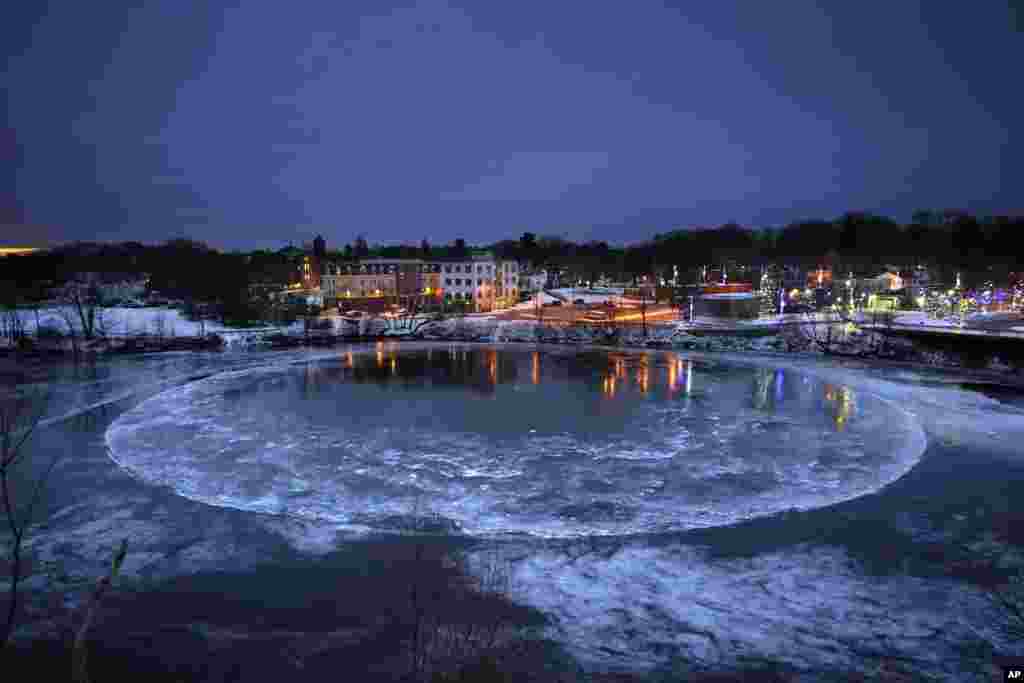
{"type": "Point", "coordinates": [501, 441]}
{"type": "Point", "coordinates": [935, 400]}
{"type": "Point", "coordinates": [810, 607]}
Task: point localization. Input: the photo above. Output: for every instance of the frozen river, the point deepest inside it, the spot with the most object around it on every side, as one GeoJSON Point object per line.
{"type": "Point", "coordinates": [505, 441]}
{"type": "Point", "coordinates": [660, 507]}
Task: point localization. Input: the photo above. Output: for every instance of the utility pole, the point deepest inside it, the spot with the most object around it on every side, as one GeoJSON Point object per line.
{"type": "Point", "coordinates": [643, 310]}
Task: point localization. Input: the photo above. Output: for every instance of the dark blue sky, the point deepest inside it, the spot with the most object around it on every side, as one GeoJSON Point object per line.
{"type": "Point", "coordinates": [249, 124]}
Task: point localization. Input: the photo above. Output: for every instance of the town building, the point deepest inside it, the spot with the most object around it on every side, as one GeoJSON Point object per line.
{"type": "Point", "coordinates": [306, 265]}
{"type": "Point", "coordinates": [470, 282]}
{"type": "Point", "coordinates": [506, 292]}
{"type": "Point", "coordinates": [532, 281]}
{"type": "Point", "coordinates": [888, 281]}
{"type": "Point", "coordinates": [819, 278]}
{"type": "Point", "coordinates": [433, 283]}
{"type": "Point", "coordinates": [794, 277]}
{"type": "Point", "coordinates": [350, 283]}
{"type": "Point", "coordinates": [476, 282]}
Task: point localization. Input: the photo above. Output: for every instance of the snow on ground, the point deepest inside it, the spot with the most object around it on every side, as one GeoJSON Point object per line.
{"type": "Point", "coordinates": [702, 322]}
{"type": "Point", "coordinates": [131, 321]}
{"type": "Point", "coordinates": [589, 296]}
{"type": "Point", "coordinates": [729, 295]}
{"type": "Point", "coordinates": [545, 298]}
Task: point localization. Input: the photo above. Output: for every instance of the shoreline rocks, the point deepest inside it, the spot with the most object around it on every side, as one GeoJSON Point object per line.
{"type": "Point", "coordinates": [867, 347]}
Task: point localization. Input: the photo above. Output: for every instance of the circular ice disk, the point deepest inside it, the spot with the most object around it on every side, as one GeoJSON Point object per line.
{"type": "Point", "coordinates": [493, 441]}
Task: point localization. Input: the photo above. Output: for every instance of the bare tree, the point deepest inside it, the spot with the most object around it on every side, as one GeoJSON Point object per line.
{"type": "Point", "coordinates": [820, 330]}
{"type": "Point", "coordinates": [160, 325]}
{"type": "Point", "coordinates": [85, 301]}
{"type": "Point", "coordinates": [79, 652]}
{"type": "Point", "coordinates": [67, 315]}
{"type": "Point", "coordinates": [460, 618]}
{"type": "Point", "coordinates": [539, 310]}
{"type": "Point", "coordinates": [20, 412]}
{"type": "Point", "coordinates": [12, 327]}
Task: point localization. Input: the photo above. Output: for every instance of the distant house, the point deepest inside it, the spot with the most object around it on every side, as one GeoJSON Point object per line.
{"type": "Point", "coordinates": [888, 281]}
{"type": "Point", "coordinates": [533, 281]}
{"type": "Point", "coordinates": [918, 279]}
{"type": "Point", "coordinates": [794, 277]}
{"type": "Point", "coordinates": [306, 264]}
{"type": "Point", "coordinates": [477, 286]}
{"type": "Point", "coordinates": [819, 278]}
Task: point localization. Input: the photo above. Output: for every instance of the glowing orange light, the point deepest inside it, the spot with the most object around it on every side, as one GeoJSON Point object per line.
{"type": "Point", "coordinates": [13, 251]}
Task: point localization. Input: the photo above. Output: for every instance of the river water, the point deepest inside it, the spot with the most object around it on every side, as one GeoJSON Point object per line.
{"type": "Point", "coordinates": [658, 506]}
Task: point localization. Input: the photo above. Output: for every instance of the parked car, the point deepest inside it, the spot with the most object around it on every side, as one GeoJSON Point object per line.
{"type": "Point", "coordinates": [579, 302]}
{"type": "Point", "coordinates": [556, 302]}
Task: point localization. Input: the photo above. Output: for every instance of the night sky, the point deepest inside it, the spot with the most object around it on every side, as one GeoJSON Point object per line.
{"type": "Point", "coordinates": [252, 124]}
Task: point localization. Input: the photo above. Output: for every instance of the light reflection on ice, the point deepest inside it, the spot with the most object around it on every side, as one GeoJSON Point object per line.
{"type": "Point", "coordinates": [324, 446]}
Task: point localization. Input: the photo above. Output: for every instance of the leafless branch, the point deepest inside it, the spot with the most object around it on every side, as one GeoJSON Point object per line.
{"type": "Point", "coordinates": [20, 413]}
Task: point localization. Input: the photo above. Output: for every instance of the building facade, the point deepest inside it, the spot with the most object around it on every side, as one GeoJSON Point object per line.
{"type": "Point", "coordinates": [478, 283]}
{"type": "Point", "coordinates": [506, 291]}
{"type": "Point", "coordinates": [356, 281]}
{"type": "Point", "coordinates": [533, 281]}
{"type": "Point", "coordinates": [470, 282]}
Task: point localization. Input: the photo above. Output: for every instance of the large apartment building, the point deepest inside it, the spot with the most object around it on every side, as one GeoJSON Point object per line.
{"type": "Point", "coordinates": [478, 282]}
{"type": "Point", "coordinates": [470, 281]}
{"type": "Point", "coordinates": [371, 278]}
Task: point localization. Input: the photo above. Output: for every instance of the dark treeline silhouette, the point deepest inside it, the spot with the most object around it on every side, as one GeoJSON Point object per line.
{"type": "Point", "coordinates": [860, 242]}
{"type": "Point", "coordinates": [182, 269]}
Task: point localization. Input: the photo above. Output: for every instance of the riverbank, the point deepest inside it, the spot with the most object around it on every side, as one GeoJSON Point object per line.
{"type": "Point", "coordinates": [876, 346]}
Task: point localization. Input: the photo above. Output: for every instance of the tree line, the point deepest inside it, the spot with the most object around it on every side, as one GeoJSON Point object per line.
{"type": "Point", "coordinates": [861, 242]}
{"type": "Point", "coordinates": [979, 247]}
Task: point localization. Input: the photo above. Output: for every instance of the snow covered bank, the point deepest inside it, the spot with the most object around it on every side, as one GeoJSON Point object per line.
{"type": "Point", "coordinates": [793, 334]}
{"type": "Point", "coordinates": [118, 321]}
{"type": "Point", "coordinates": [589, 296]}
